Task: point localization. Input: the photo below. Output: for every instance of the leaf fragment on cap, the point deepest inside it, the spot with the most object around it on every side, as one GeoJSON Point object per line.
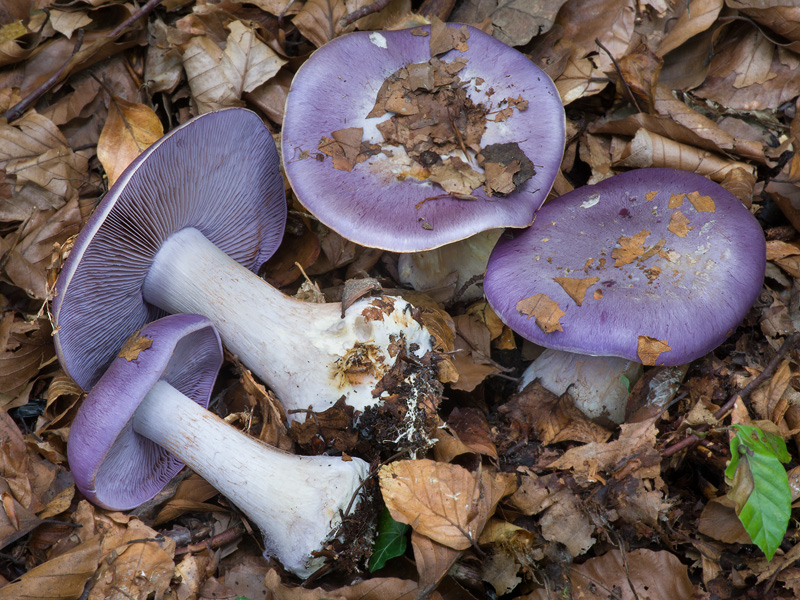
{"type": "Point", "coordinates": [135, 344]}
{"type": "Point", "coordinates": [701, 203]}
{"type": "Point", "coordinates": [631, 248]}
{"type": "Point", "coordinates": [650, 349]}
{"type": "Point", "coordinates": [544, 310]}
{"type": "Point", "coordinates": [576, 286]}
{"type": "Point", "coordinates": [679, 224]}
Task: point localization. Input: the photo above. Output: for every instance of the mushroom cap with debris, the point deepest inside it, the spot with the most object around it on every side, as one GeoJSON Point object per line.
{"type": "Point", "coordinates": [654, 265]}
{"type": "Point", "coordinates": [386, 138]}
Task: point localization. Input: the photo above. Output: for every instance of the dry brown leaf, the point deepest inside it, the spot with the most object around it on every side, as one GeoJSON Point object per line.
{"type": "Point", "coordinates": [433, 560]}
{"type": "Point", "coordinates": [129, 130]}
{"type": "Point", "coordinates": [217, 77]}
{"type": "Point", "coordinates": [472, 429]}
{"type": "Point", "coordinates": [653, 575]}
{"type": "Point", "coordinates": [319, 20]}
{"type": "Point", "coordinates": [636, 440]}
{"type": "Point", "coordinates": [33, 149]}
{"type": "Point", "coordinates": [781, 17]}
{"type": "Point", "coordinates": [720, 522]}
{"type": "Point", "coordinates": [567, 522]}
{"type": "Point", "coordinates": [67, 22]}
{"type": "Point", "coordinates": [385, 18]}
{"type": "Point", "coordinates": [748, 72]}
{"type": "Point", "coordinates": [444, 502]}
{"type": "Point", "coordinates": [515, 21]}
{"type": "Point", "coordinates": [137, 563]}
{"type": "Point", "coordinates": [536, 493]}
{"type": "Point", "coordinates": [695, 18]}
{"type": "Point", "coordinates": [61, 578]}
{"type": "Point", "coordinates": [679, 224]}
{"type": "Point", "coordinates": [378, 588]}
{"type": "Point", "coordinates": [24, 348]}
{"type": "Point", "coordinates": [553, 418]}
{"type": "Point", "coordinates": [631, 248]}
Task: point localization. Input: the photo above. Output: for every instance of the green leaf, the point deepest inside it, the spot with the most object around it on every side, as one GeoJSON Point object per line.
{"type": "Point", "coordinates": [391, 541]}
{"type": "Point", "coordinates": [760, 486]}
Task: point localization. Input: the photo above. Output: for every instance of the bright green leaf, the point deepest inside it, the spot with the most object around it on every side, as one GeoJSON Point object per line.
{"type": "Point", "coordinates": [391, 541]}
{"type": "Point", "coordinates": [760, 486]}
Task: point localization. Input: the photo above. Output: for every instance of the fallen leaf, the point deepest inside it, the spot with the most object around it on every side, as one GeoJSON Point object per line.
{"type": "Point", "coordinates": [61, 578]}
{"type": "Point", "coordinates": [567, 522]}
{"type": "Point", "coordinates": [319, 20]}
{"type": "Point", "coordinates": [129, 130]}
{"type": "Point", "coordinates": [631, 248]}
{"type": "Point", "coordinates": [433, 560]}
{"type": "Point", "coordinates": [701, 203]}
{"type": "Point", "coordinates": [444, 502]}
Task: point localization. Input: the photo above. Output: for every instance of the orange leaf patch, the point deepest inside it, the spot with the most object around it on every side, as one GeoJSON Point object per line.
{"type": "Point", "coordinates": [631, 248]}
{"type": "Point", "coordinates": [679, 224]}
{"type": "Point", "coordinates": [544, 310]}
{"type": "Point", "coordinates": [650, 349]}
{"type": "Point", "coordinates": [135, 344]}
{"type": "Point", "coordinates": [576, 286]}
{"type": "Point", "coordinates": [702, 203]}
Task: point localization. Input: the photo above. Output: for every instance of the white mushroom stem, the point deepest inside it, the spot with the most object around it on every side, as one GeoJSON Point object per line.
{"type": "Point", "coordinates": [597, 384]}
{"type": "Point", "coordinates": [463, 262]}
{"type": "Point", "coordinates": [307, 353]}
{"type": "Point", "coordinates": [296, 501]}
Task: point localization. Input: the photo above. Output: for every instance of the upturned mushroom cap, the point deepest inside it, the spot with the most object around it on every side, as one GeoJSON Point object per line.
{"type": "Point", "coordinates": [653, 265]}
{"type": "Point", "coordinates": [388, 202]}
{"type": "Point", "coordinates": [114, 466]}
{"type": "Point", "coordinates": [218, 173]}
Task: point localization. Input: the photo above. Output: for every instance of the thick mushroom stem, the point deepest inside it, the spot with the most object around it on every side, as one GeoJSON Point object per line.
{"type": "Point", "coordinates": [296, 501]}
{"type": "Point", "coordinates": [308, 354]}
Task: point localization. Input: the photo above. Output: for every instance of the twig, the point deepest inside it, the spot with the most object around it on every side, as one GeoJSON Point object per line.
{"type": "Point", "coordinates": [619, 72]}
{"type": "Point", "coordinates": [142, 12]}
{"type": "Point", "coordinates": [369, 9]}
{"type": "Point", "coordinates": [23, 105]}
{"type": "Point", "coordinates": [789, 343]}
{"type": "Point", "coordinates": [226, 537]}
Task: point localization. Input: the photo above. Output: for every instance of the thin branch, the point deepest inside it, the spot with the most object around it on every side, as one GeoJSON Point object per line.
{"type": "Point", "coordinates": [16, 111]}
{"type": "Point", "coordinates": [619, 72]}
{"type": "Point", "coordinates": [369, 9]}
{"type": "Point", "coordinates": [142, 12]}
{"type": "Point", "coordinates": [788, 344]}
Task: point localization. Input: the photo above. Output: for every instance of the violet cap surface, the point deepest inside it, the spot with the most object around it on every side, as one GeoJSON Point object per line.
{"type": "Point", "coordinates": [113, 466]}
{"type": "Point", "coordinates": [218, 173]}
{"type": "Point", "coordinates": [653, 265]}
{"type": "Point", "coordinates": [385, 204]}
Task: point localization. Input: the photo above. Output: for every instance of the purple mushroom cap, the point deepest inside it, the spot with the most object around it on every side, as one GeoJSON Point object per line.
{"type": "Point", "coordinates": [114, 466]}
{"type": "Point", "coordinates": [382, 204]}
{"type": "Point", "coordinates": [654, 265]}
{"type": "Point", "coordinates": [218, 173]}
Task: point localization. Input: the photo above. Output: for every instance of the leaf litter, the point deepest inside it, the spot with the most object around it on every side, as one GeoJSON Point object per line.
{"type": "Point", "coordinates": [522, 495]}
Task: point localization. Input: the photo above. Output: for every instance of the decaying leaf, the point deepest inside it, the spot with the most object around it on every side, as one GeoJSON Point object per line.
{"type": "Point", "coordinates": [444, 502]}
{"type": "Point", "coordinates": [576, 286]}
{"type": "Point", "coordinates": [650, 349]}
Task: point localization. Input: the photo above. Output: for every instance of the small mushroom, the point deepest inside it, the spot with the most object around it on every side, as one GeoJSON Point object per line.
{"type": "Point", "coordinates": [656, 266]}
{"type": "Point", "coordinates": [181, 232]}
{"type": "Point", "coordinates": [146, 416]}
{"type": "Point", "coordinates": [419, 130]}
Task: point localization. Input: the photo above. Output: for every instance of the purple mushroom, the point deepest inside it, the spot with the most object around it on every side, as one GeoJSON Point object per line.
{"type": "Point", "coordinates": [181, 232]}
{"type": "Point", "coordinates": [656, 266]}
{"type": "Point", "coordinates": [433, 133]}
{"type": "Point", "coordinates": [147, 416]}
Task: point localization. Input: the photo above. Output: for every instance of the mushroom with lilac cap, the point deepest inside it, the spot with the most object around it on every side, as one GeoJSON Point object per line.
{"type": "Point", "coordinates": [380, 192]}
{"type": "Point", "coordinates": [181, 232]}
{"type": "Point", "coordinates": [147, 416]}
{"type": "Point", "coordinates": [657, 266]}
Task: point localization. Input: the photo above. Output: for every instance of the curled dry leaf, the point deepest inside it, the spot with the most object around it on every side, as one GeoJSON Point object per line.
{"type": "Point", "coordinates": [130, 129]}
{"type": "Point", "coordinates": [444, 502]}
{"type": "Point", "coordinates": [217, 77]}
{"type": "Point", "coordinates": [433, 560]}
{"type": "Point", "coordinates": [319, 20]}
{"type": "Point", "coordinates": [651, 150]}
{"type": "Point", "coordinates": [379, 588]}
